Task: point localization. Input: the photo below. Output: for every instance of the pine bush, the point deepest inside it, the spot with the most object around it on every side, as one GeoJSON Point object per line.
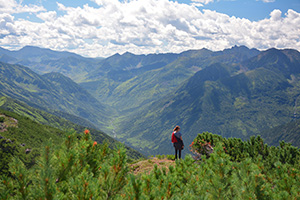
{"type": "Point", "coordinates": [82, 169]}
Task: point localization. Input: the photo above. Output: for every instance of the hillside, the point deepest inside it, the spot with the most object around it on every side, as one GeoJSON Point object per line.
{"type": "Point", "coordinates": [37, 54]}
{"type": "Point", "coordinates": [289, 132]}
{"type": "Point", "coordinates": [25, 130]}
{"type": "Point", "coordinates": [216, 100]}
{"type": "Point", "coordinates": [23, 138]}
{"type": "Point", "coordinates": [51, 91]}
{"type": "Point", "coordinates": [128, 82]}
{"type": "Point", "coordinates": [237, 92]}
{"type": "Point", "coordinates": [42, 61]}
{"type": "Point", "coordinates": [42, 117]}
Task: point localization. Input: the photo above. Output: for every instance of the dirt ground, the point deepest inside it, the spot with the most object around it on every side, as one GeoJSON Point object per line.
{"type": "Point", "coordinates": [146, 166]}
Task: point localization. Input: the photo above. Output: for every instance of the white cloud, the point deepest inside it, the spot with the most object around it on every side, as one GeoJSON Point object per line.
{"type": "Point", "coordinates": [6, 25]}
{"type": "Point", "coordinates": [107, 2]}
{"type": "Point", "coordinates": [203, 1]}
{"type": "Point", "coordinates": [12, 6]}
{"type": "Point", "coordinates": [147, 26]}
{"type": "Point", "coordinates": [267, 1]}
{"type": "Point", "coordinates": [47, 16]}
{"type": "Point", "coordinates": [197, 4]}
{"type": "Point", "coordinates": [275, 15]}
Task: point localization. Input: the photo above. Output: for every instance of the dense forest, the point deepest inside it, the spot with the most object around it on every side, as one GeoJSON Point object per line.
{"type": "Point", "coordinates": [82, 169]}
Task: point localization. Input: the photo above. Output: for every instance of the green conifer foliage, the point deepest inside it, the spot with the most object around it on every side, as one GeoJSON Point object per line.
{"type": "Point", "coordinates": [82, 169]}
{"type": "Point", "coordinates": [78, 169]}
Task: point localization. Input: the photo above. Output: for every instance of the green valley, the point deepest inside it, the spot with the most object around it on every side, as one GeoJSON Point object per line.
{"type": "Point", "coordinates": [249, 99]}
{"type": "Point", "coordinates": [25, 130]}
{"type": "Point", "coordinates": [214, 99]}
{"type": "Point", "coordinates": [53, 122]}
{"type": "Point", "coordinates": [138, 99]}
{"type": "Point", "coordinates": [51, 91]}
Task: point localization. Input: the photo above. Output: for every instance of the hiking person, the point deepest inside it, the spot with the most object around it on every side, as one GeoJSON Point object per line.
{"type": "Point", "coordinates": [177, 141]}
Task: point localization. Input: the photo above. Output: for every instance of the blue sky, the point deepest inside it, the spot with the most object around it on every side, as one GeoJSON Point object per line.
{"type": "Point", "coordinates": [250, 9]}
{"type": "Point", "coordinates": [104, 27]}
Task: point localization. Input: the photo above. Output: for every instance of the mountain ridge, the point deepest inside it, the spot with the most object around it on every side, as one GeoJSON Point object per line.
{"type": "Point", "coordinates": [30, 52]}
{"type": "Point", "coordinates": [234, 92]}
{"type": "Point", "coordinates": [23, 84]}
{"type": "Point", "coordinates": [123, 88]}
{"type": "Point", "coordinates": [252, 101]}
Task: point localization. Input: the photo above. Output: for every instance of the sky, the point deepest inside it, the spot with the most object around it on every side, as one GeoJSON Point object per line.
{"type": "Point", "coordinates": [101, 28]}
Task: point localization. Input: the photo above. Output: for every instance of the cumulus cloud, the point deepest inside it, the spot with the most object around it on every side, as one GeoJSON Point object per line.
{"type": "Point", "coordinates": [275, 15]}
{"type": "Point", "coordinates": [147, 26]}
{"type": "Point", "coordinates": [6, 25]}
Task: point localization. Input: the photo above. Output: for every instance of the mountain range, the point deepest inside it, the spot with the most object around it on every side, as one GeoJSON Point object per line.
{"type": "Point", "coordinates": [51, 91]}
{"type": "Point", "coordinates": [138, 99]}
{"type": "Point", "coordinates": [42, 61]}
{"type": "Point", "coordinates": [261, 94]}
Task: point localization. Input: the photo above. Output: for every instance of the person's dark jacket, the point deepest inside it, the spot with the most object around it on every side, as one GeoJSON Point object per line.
{"type": "Point", "coordinates": [179, 144]}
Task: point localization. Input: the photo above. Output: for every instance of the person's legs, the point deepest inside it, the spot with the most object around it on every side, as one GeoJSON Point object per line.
{"type": "Point", "coordinates": [175, 153]}
{"type": "Point", "coordinates": [179, 153]}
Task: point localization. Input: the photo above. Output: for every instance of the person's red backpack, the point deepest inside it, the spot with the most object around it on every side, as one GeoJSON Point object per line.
{"type": "Point", "coordinates": [173, 138]}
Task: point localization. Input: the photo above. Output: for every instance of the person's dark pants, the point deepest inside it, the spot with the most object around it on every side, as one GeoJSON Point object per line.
{"type": "Point", "coordinates": [176, 153]}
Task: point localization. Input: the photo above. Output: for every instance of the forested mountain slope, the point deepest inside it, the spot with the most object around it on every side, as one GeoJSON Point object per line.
{"type": "Point", "coordinates": [139, 98]}
{"type": "Point", "coordinates": [262, 95]}
{"type": "Point", "coordinates": [51, 91]}
{"type": "Point", "coordinates": [44, 121]}
{"type": "Point", "coordinates": [130, 81]}
{"type": "Point", "coordinates": [289, 132]}
{"type": "Point", "coordinates": [21, 137]}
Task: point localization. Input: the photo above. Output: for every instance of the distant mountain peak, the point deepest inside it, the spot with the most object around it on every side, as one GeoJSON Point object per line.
{"type": "Point", "coordinates": [239, 47]}
{"type": "Point", "coordinates": [30, 47]}
{"type": "Point", "coordinates": [115, 55]}
{"type": "Point", "coordinates": [272, 50]}
{"type": "Point", "coordinates": [127, 53]}
{"type": "Point", "coordinates": [270, 53]}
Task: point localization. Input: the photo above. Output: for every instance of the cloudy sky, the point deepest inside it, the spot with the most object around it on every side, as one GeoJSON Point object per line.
{"type": "Point", "coordinates": [100, 28]}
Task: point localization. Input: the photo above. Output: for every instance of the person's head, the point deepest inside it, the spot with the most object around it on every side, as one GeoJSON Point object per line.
{"type": "Point", "coordinates": [177, 128]}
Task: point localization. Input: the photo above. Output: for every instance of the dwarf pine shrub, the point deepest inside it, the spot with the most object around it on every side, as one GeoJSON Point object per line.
{"type": "Point", "coordinates": [78, 169]}
{"type": "Point", "coordinates": [83, 169]}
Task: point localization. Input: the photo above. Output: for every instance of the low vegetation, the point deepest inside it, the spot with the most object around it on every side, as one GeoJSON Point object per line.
{"type": "Point", "coordinates": [82, 169]}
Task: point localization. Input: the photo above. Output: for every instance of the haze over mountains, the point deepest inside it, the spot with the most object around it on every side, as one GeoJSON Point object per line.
{"type": "Point", "coordinates": [138, 99]}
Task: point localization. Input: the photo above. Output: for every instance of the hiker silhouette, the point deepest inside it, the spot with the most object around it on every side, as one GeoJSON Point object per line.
{"type": "Point", "coordinates": [177, 141]}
